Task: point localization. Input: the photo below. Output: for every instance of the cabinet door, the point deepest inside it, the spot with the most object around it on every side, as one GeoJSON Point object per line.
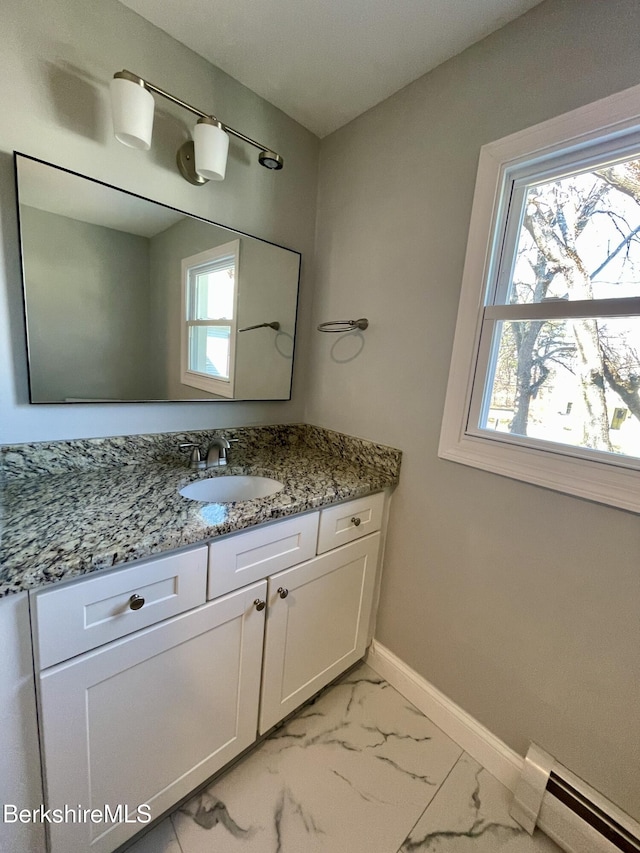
{"type": "Point", "coordinates": [146, 719]}
{"type": "Point", "coordinates": [320, 626]}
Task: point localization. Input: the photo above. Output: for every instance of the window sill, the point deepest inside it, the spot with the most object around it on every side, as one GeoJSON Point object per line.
{"type": "Point", "coordinates": [595, 481]}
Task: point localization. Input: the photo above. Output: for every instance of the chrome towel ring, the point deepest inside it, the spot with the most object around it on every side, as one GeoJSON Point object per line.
{"type": "Point", "coordinates": [343, 325]}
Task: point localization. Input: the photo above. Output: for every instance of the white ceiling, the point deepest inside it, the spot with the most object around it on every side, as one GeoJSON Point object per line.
{"type": "Point", "coordinates": [323, 62]}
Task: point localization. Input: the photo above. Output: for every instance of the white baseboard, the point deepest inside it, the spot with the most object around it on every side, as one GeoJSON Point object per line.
{"type": "Point", "coordinates": [499, 759]}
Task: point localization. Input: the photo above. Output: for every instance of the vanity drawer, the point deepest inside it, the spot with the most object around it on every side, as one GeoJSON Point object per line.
{"type": "Point", "coordinates": [250, 556]}
{"type": "Point", "coordinates": [76, 617]}
{"type": "Point", "coordinates": [345, 522]}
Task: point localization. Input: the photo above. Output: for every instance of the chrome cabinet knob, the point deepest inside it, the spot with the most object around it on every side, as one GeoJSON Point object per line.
{"type": "Point", "coordinates": [260, 604]}
{"type": "Point", "coordinates": [356, 521]}
{"type": "Point", "coordinates": [136, 602]}
{"type": "Point", "coordinates": [282, 592]}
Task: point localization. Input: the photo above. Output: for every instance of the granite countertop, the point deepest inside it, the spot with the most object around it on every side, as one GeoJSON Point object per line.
{"type": "Point", "coordinates": [58, 523]}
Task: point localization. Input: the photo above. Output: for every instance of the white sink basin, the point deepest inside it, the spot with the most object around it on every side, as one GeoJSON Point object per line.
{"type": "Point", "coordinates": [231, 488]}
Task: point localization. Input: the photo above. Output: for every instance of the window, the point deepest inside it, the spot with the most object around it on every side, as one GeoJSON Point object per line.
{"type": "Point", "coordinates": [209, 299]}
{"type": "Point", "coordinates": [545, 376]}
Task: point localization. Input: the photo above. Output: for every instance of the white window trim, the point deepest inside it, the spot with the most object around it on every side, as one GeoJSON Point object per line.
{"type": "Point", "coordinates": [193, 379]}
{"type": "Point", "coordinates": [615, 117]}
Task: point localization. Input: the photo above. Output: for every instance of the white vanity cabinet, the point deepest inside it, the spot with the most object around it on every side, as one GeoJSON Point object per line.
{"type": "Point", "coordinates": [147, 718]}
{"type": "Point", "coordinates": [150, 714]}
{"type": "Point", "coordinates": [317, 622]}
{"type": "Point", "coordinates": [318, 610]}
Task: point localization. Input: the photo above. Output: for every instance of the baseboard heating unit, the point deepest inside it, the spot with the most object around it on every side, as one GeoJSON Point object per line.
{"type": "Point", "coordinates": [570, 812]}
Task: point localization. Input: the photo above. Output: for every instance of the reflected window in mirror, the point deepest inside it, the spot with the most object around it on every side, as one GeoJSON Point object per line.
{"type": "Point", "coordinates": [210, 297]}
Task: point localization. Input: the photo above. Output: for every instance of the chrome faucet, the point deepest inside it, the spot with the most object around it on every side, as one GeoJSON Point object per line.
{"type": "Point", "coordinates": [217, 453]}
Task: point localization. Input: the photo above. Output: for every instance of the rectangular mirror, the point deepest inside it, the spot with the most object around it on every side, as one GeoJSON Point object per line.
{"type": "Point", "coordinates": [129, 300]}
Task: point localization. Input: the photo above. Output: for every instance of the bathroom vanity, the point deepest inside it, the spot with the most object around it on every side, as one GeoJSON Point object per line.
{"type": "Point", "coordinates": [155, 673]}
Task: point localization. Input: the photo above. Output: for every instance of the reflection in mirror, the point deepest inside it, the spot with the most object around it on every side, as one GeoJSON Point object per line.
{"type": "Point", "coordinates": [130, 300]}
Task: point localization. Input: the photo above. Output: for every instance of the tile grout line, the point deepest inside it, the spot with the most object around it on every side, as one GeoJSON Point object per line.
{"type": "Point", "coordinates": [434, 798]}
{"type": "Point", "coordinates": [175, 832]}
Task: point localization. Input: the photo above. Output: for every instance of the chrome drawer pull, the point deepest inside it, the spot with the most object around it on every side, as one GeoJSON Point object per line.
{"type": "Point", "coordinates": [356, 521]}
{"type": "Point", "coordinates": [282, 592]}
{"type": "Point", "coordinates": [136, 602]}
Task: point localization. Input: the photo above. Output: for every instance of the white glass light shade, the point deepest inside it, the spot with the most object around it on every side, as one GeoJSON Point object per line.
{"type": "Point", "coordinates": [132, 111]}
{"type": "Point", "coordinates": [211, 146]}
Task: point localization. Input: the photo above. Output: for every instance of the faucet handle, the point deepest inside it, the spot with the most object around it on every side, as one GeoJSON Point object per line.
{"type": "Point", "coordinates": [195, 460]}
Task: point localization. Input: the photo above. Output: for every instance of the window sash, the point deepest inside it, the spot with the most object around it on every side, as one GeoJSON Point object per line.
{"type": "Point", "coordinates": [516, 180]}
{"type": "Point", "coordinates": [480, 404]}
{"type": "Point", "coordinates": [223, 264]}
{"type": "Point", "coordinates": [198, 356]}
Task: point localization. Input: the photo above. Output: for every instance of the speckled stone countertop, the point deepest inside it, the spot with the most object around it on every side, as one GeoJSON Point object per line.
{"type": "Point", "coordinates": [69, 508]}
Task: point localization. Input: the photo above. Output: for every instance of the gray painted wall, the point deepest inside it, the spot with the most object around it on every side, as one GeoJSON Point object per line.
{"type": "Point", "coordinates": [519, 603]}
{"type": "Point", "coordinates": [57, 60]}
{"type": "Point", "coordinates": [87, 309]}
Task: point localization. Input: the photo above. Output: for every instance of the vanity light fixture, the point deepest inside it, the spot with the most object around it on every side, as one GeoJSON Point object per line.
{"type": "Point", "coordinates": [199, 160]}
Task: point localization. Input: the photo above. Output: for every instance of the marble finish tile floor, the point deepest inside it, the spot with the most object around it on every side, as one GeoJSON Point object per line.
{"type": "Point", "coordinates": [359, 771]}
